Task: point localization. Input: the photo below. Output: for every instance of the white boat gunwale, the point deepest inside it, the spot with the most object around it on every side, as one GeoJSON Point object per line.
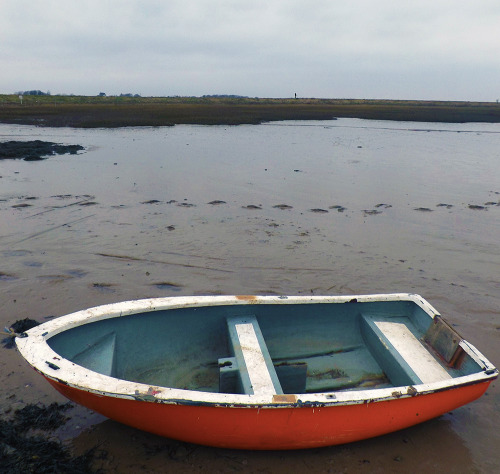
{"type": "Point", "coordinates": [44, 360]}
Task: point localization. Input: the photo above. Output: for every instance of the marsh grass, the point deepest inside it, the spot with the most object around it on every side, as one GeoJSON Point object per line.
{"type": "Point", "coordinates": [108, 112]}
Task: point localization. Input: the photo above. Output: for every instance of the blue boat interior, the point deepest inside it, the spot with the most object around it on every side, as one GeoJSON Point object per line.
{"type": "Point", "coordinates": [300, 348]}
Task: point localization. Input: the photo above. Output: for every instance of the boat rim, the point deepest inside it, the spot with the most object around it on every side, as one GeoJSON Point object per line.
{"type": "Point", "coordinates": [34, 348]}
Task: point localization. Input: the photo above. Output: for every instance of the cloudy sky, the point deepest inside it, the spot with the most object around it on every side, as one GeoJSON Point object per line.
{"type": "Point", "coordinates": [395, 49]}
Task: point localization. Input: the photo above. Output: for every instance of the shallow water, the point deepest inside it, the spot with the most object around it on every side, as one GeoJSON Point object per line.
{"type": "Point", "coordinates": [363, 207]}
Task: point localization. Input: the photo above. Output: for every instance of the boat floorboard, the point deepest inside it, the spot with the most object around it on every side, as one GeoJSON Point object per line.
{"type": "Point", "coordinates": [356, 369]}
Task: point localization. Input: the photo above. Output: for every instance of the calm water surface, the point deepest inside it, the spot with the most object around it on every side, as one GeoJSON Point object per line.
{"type": "Point", "coordinates": [337, 207]}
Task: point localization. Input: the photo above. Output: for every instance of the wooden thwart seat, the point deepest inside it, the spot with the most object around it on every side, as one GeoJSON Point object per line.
{"type": "Point", "coordinates": [400, 354]}
{"type": "Point", "coordinates": [250, 370]}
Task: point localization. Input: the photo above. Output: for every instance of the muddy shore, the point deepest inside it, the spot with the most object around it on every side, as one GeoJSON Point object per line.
{"type": "Point", "coordinates": [305, 208]}
{"type": "Point", "coordinates": [112, 112]}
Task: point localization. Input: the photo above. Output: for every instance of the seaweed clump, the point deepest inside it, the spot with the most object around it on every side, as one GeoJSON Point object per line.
{"type": "Point", "coordinates": [35, 150]}
{"type": "Point", "coordinates": [22, 452]}
{"type": "Point", "coordinates": [16, 330]}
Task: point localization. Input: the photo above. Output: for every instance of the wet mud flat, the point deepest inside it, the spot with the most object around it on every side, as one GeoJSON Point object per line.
{"type": "Point", "coordinates": [108, 230]}
{"type": "Point", "coordinates": [39, 282]}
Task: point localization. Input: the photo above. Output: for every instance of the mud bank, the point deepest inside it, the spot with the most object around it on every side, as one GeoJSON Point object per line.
{"type": "Point", "coordinates": [113, 112]}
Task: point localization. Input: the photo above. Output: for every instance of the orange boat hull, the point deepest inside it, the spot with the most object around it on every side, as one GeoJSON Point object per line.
{"type": "Point", "coordinates": [275, 428]}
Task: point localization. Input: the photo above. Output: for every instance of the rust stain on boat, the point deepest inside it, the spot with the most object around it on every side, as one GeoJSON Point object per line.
{"type": "Point", "coordinates": [284, 398]}
{"type": "Point", "coordinates": [246, 297]}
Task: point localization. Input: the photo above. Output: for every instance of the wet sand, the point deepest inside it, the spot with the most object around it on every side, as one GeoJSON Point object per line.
{"type": "Point", "coordinates": [196, 210]}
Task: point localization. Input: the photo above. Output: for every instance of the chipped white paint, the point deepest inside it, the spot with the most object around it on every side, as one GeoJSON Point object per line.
{"type": "Point", "coordinates": [420, 360]}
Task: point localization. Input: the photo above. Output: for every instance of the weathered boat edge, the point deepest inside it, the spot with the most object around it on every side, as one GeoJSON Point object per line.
{"type": "Point", "coordinates": [258, 421]}
{"type": "Point", "coordinates": [45, 361]}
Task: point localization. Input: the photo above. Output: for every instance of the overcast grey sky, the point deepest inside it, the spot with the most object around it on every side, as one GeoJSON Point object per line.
{"type": "Point", "coordinates": [426, 49]}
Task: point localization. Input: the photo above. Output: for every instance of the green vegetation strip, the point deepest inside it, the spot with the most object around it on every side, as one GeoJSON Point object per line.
{"type": "Point", "coordinates": [110, 112]}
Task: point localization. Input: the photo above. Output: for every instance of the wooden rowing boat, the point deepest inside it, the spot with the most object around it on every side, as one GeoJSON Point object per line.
{"type": "Point", "coordinates": [261, 372]}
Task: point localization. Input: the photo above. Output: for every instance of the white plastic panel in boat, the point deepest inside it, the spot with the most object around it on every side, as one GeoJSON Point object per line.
{"type": "Point", "coordinates": [413, 352]}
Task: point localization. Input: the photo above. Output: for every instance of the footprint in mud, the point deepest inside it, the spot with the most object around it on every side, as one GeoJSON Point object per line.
{"type": "Point", "coordinates": [151, 201]}
{"type": "Point", "coordinates": [7, 277]}
{"type": "Point", "coordinates": [166, 285]}
{"type": "Point", "coordinates": [371, 212]}
{"type": "Point", "coordinates": [252, 207]}
{"type": "Point", "coordinates": [62, 196]}
{"type": "Point", "coordinates": [216, 202]}
{"type": "Point", "coordinates": [476, 207]}
{"type": "Point", "coordinates": [20, 206]}
{"type": "Point", "coordinates": [186, 204]}
{"type": "Point", "coordinates": [339, 208]}
{"type": "Point", "coordinates": [385, 206]}
{"type": "Point", "coordinates": [33, 264]}
{"type": "Point", "coordinates": [104, 287]}
{"type": "Point", "coordinates": [283, 207]}
{"type": "Point", "coordinates": [16, 253]}
{"type": "Point", "coordinates": [442, 204]}
{"type": "Point", "coordinates": [55, 278]}
{"type": "Point", "coordinates": [77, 273]}
{"type": "Point", "coordinates": [422, 209]}
{"type": "Point", "coordinates": [318, 210]}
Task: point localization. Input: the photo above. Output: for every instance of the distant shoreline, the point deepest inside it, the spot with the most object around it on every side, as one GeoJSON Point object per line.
{"type": "Point", "coordinates": [114, 112]}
